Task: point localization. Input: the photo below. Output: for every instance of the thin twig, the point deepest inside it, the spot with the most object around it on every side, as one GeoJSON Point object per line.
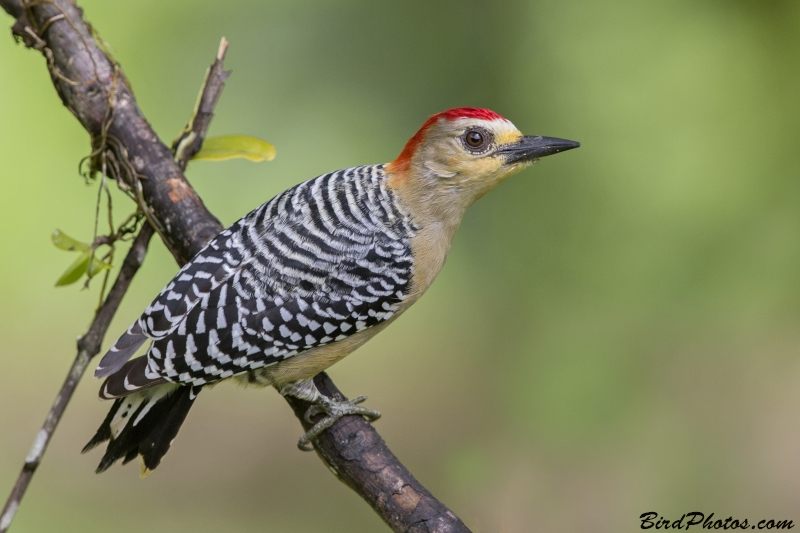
{"type": "Point", "coordinates": [88, 347]}
{"type": "Point", "coordinates": [189, 142]}
{"type": "Point", "coordinates": [351, 447]}
{"type": "Point", "coordinates": [89, 344]}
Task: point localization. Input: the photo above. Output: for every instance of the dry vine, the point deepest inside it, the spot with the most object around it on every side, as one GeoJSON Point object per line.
{"type": "Point", "coordinates": [94, 88]}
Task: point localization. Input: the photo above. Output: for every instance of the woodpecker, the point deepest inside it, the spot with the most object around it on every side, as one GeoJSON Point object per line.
{"type": "Point", "coordinates": [303, 280]}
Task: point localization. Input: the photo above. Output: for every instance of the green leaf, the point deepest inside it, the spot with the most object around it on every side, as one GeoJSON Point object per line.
{"type": "Point", "coordinates": [97, 267]}
{"type": "Point", "coordinates": [235, 146]}
{"type": "Point", "coordinates": [75, 270]}
{"type": "Point", "coordinates": [80, 267]}
{"type": "Point", "coordinates": [63, 241]}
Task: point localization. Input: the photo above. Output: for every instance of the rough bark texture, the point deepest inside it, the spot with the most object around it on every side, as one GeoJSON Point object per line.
{"type": "Point", "coordinates": [359, 457]}
{"type": "Point", "coordinates": [94, 88]}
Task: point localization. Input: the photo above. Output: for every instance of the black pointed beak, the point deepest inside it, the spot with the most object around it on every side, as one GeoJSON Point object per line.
{"type": "Point", "coordinates": [531, 147]}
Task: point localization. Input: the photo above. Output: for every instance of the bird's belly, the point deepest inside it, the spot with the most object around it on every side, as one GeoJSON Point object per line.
{"type": "Point", "coordinates": [430, 248]}
{"type": "Point", "coordinates": [310, 363]}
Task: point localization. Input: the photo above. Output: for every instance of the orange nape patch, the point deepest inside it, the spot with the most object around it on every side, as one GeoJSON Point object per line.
{"type": "Point", "coordinates": [403, 161]}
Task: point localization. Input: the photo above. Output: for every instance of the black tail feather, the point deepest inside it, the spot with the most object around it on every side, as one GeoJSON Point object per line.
{"type": "Point", "coordinates": [104, 431]}
{"type": "Point", "coordinates": [130, 456]}
{"type": "Point", "coordinates": [149, 437]}
{"type": "Point", "coordinates": [156, 445]}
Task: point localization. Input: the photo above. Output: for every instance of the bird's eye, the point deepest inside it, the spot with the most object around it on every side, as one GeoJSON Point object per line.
{"type": "Point", "coordinates": [476, 140]}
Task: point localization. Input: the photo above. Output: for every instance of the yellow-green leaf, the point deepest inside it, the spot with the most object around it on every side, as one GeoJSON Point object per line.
{"type": "Point", "coordinates": [63, 241]}
{"type": "Point", "coordinates": [80, 267]}
{"type": "Point", "coordinates": [235, 146]}
{"type": "Point", "coordinates": [75, 270]}
{"type": "Point", "coordinates": [97, 267]}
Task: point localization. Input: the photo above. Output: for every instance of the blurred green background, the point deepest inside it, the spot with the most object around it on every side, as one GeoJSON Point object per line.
{"type": "Point", "coordinates": [617, 329]}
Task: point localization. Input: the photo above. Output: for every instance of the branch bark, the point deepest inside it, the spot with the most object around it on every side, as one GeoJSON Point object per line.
{"type": "Point", "coordinates": [88, 347]}
{"type": "Point", "coordinates": [189, 142]}
{"type": "Point", "coordinates": [93, 87]}
{"type": "Point", "coordinates": [360, 458]}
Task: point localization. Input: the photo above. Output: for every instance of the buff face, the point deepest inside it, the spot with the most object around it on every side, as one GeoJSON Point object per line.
{"type": "Point", "coordinates": [460, 155]}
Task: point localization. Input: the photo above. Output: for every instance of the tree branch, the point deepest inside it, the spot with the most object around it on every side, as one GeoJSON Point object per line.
{"type": "Point", "coordinates": [359, 457]}
{"type": "Point", "coordinates": [88, 347]}
{"type": "Point", "coordinates": [191, 138]}
{"type": "Point", "coordinates": [93, 87]}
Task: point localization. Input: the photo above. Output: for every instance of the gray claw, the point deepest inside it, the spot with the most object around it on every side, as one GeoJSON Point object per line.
{"type": "Point", "coordinates": [335, 411]}
{"type": "Point", "coordinates": [313, 411]}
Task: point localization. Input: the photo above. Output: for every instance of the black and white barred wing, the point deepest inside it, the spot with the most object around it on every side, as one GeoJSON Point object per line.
{"type": "Point", "coordinates": [316, 264]}
{"type": "Point", "coordinates": [239, 331]}
{"type": "Point", "coordinates": [209, 268]}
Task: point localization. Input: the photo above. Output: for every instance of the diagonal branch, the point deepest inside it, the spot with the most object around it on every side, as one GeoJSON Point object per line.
{"type": "Point", "coordinates": [92, 86]}
{"type": "Point", "coordinates": [89, 344]}
{"type": "Point", "coordinates": [191, 138]}
{"type": "Point", "coordinates": [88, 347]}
{"type": "Point", "coordinates": [360, 458]}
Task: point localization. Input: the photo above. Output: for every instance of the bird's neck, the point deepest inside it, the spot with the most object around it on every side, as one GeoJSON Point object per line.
{"type": "Point", "coordinates": [436, 219]}
{"type": "Point", "coordinates": [429, 199]}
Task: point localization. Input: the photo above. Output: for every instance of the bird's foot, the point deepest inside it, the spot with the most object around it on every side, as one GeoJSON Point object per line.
{"type": "Point", "coordinates": [335, 410]}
